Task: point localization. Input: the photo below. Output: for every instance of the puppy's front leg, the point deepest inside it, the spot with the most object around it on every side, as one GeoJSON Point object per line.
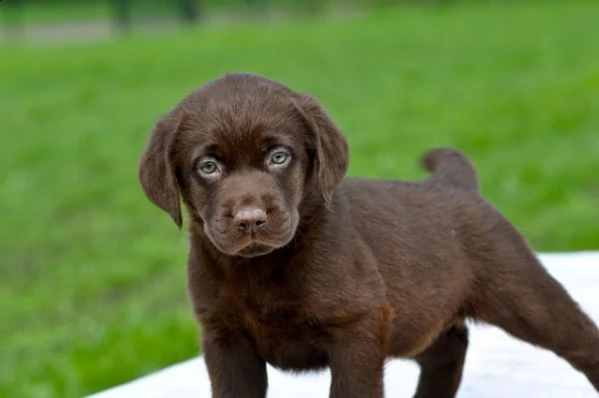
{"type": "Point", "coordinates": [357, 359]}
{"type": "Point", "coordinates": [235, 368]}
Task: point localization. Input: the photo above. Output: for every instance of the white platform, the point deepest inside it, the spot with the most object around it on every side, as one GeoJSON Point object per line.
{"type": "Point", "coordinates": [497, 365]}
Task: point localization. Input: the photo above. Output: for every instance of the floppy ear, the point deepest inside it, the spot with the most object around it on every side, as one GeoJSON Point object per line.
{"type": "Point", "coordinates": [156, 172]}
{"type": "Point", "coordinates": [332, 153]}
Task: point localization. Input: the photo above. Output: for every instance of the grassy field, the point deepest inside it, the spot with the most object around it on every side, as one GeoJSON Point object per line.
{"type": "Point", "coordinates": [92, 288]}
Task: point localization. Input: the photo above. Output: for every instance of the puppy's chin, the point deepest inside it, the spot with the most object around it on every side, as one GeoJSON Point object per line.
{"type": "Point", "coordinates": [251, 248]}
{"type": "Point", "coordinates": [255, 250]}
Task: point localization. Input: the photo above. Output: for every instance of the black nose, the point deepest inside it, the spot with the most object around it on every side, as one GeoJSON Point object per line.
{"type": "Point", "coordinates": [250, 219]}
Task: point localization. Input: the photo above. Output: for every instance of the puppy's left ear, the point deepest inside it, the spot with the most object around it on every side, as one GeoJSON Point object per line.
{"type": "Point", "coordinates": [331, 149]}
{"type": "Point", "coordinates": [156, 172]}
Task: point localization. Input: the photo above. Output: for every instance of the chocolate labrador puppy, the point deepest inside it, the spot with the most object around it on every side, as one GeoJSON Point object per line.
{"type": "Point", "coordinates": [294, 265]}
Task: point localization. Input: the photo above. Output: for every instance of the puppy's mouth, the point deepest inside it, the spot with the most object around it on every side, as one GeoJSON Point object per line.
{"type": "Point", "coordinates": [248, 246]}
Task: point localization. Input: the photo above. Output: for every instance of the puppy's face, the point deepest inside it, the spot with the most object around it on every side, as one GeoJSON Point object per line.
{"type": "Point", "coordinates": [244, 178]}
{"type": "Point", "coordinates": [243, 152]}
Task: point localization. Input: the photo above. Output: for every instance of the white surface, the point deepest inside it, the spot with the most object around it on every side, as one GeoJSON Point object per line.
{"type": "Point", "coordinates": [497, 365]}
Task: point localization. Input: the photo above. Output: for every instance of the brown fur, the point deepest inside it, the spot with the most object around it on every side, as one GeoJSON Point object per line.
{"type": "Point", "coordinates": [340, 272]}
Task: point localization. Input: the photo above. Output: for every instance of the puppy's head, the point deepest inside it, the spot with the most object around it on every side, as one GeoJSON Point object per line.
{"type": "Point", "coordinates": [243, 152]}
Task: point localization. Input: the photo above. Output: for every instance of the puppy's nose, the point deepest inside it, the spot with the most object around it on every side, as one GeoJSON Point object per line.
{"type": "Point", "coordinates": [250, 219]}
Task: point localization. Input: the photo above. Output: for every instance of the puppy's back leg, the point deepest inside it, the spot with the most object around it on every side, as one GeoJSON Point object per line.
{"type": "Point", "coordinates": [442, 363]}
{"type": "Point", "coordinates": [523, 299]}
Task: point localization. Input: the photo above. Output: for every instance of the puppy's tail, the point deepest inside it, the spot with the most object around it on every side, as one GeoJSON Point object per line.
{"type": "Point", "coordinates": [450, 167]}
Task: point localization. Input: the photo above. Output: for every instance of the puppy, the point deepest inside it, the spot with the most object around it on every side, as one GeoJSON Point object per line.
{"type": "Point", "coordinates": [294, 265]}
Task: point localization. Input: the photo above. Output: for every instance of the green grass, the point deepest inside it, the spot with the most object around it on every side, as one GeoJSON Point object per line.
{"type": "Point", "coordinates": [92, 276]}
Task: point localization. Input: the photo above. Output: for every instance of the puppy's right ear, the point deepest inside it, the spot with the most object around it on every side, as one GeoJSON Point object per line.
{"type": "Point", "coordinates": [156, 172]}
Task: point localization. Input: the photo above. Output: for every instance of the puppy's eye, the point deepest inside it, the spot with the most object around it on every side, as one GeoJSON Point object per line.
{"type": "Point", "coordinates": [208, 167]}
{"type": "Point", "coordinates": [279, 157]}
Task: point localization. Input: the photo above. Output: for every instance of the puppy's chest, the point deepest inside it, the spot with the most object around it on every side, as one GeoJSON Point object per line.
{"type": "Point", "coordinates": [285, 332]}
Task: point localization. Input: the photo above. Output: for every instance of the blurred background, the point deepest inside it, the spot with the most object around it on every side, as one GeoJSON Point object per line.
{"type": "Point", "coordinates": [92, 275]}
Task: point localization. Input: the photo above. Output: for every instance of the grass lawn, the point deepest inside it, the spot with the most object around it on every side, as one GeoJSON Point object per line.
{"type": "Point", "coordinates": [92, 287]}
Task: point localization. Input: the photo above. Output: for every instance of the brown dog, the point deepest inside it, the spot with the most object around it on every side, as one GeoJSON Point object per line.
{"type": "Point", "coordinates": [293, 265]}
